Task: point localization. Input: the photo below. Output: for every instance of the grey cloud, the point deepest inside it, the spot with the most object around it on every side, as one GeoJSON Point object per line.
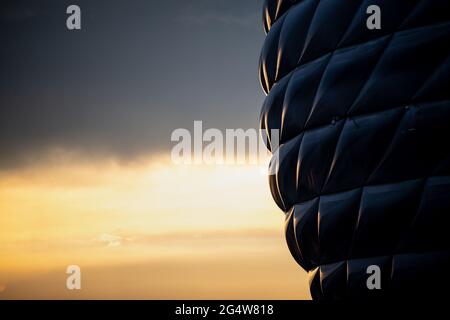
{"type": "Point", "coordinates": [118, 87]}
{"type": "Point", "coordinates": [16, 11]}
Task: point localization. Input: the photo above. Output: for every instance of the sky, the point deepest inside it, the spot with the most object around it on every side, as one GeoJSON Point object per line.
{"type": "Point", "coordinates": [134, 72]}
{"type": "Point", "coordinates": [85, 171]}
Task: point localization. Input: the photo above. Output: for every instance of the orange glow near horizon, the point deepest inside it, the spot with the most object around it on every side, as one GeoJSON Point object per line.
{"type": "Point", "coordinates": [144, 230]}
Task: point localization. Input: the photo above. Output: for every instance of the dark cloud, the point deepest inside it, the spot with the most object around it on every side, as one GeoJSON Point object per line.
{"type": "Point", "coordinates": [136, 71]}
{"type": "Point", "coordinates": [16, 11]}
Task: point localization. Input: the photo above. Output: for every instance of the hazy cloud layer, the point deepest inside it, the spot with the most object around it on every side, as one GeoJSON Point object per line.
{"type": "Point", "coordinates": [137, 70]}
{"type": "Point", "coordinates": [216, 265]}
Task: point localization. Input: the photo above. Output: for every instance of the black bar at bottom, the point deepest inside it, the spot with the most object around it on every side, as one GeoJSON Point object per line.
{"type": "Point", "coordinates": [213, 309]}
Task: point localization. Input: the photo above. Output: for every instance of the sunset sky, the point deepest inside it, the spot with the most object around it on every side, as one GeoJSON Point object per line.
{"type": "Point", "coordinates": [85, 171]}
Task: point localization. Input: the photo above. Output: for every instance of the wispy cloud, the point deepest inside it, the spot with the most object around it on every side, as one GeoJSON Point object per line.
{"type": "Point", "coordinates": [244, 14]}
{"type": "Point", "coordinates": [111, 240]}
{"type": "Point", "coordinates": [212, 18]}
